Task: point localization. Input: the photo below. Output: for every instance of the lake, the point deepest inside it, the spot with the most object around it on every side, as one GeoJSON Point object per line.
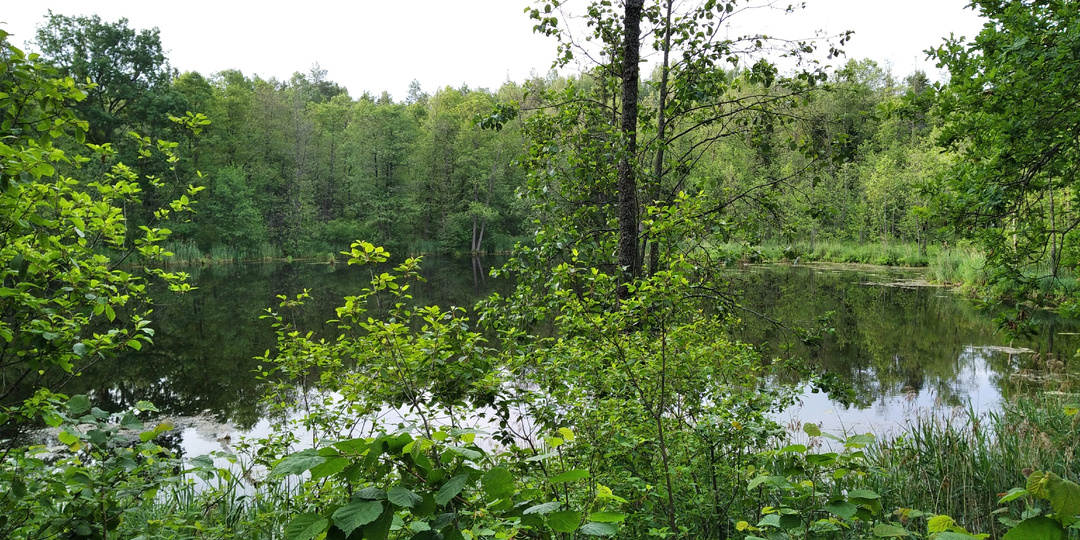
{"type": "Point", "coordinates": [903, 346]}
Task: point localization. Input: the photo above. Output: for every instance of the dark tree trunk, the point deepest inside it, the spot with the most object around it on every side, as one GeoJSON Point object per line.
{"type": "Point", "coordinates": [627, 181]}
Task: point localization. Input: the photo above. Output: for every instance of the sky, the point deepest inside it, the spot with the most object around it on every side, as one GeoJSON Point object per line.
{"type": "Point", "coordinates": [375, 46]}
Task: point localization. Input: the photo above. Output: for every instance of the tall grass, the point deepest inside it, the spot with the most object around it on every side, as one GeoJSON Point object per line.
{"type": "Point", "coordinates": [959, 463]}
{"type": "Point", "coordinates": [959, 266]}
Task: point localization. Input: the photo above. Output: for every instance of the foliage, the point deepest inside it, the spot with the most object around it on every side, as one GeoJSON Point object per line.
{"type": "Point", "coordinates": [1009, 114]}
{"type": "Point", "coordinates": [65, 304]}
{"type": "Point", "coordinates": [128, 70]}
{"type": "Point", "coordinates": [425, 370]}
{"type": "Point", "coordinates": [108, 465]}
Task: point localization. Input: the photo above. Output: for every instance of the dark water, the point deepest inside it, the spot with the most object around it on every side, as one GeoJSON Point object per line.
{"type": "Point", "coordinates": [901, 348]}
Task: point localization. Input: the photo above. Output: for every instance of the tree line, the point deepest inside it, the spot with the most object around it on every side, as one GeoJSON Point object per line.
{"type": "Point", "coordinates": [299, 167]}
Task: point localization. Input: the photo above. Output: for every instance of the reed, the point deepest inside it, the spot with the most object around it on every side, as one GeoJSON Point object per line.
{"type": "Point", "coordinates": [959, 463]}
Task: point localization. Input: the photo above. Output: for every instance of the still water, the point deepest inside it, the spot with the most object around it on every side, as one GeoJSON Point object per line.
{"type": "Point", "coordinates": [903, 346]}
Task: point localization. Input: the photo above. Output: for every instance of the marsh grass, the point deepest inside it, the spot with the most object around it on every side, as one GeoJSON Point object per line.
{"type": "Point", "coordinates": [959, 463]}
{"type": "Point", "coordinates": [220, 502]}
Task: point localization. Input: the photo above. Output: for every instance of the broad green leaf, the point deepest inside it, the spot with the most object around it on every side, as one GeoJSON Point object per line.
{"type": "Point", "coordinates": [812, 430]}
{"type": "Point", "coordinates": [451, 488]}
{"type": "Point", "coordinates": [352, 446]}
{"type": "Point", "coordinates": [297, 463]}
{"type": "Point", "coordinates": [939, 523]}
{"type": "Point", "coordinates": [822, 460]}
{"type": "Point", "coordinates": [78, 405]}
{"type": "Point", "coordinates": [793, 448]}
{"type": "Point", "coordinates": [372, 493]}
{"type": "Point", "coordinates": [1036, 485]}
{"type": "Point", "coordinates": [498, 483]}
{"type": "Point", "coordinates": [130, 421]}
{"type": "Point", "coordinates": [569, 476]}
{"type": "Point", "coordinates": [565, 521]}
{"type": "Point", "coordinates": [885, 530]}
{"type": "Point", "coordinates": [357, 514]}
{"type": "Point", "coordinates": [952, 535]}
{"type": "Point", "coordinates": [842, 508]}
{"type": "Point", "coordinates": [599, 529]}
{"type": "Point", "coordinates": [404, 497]}
{"type": "Point", "coordinates": [607, 517]}
{"type": "Point", "coordinates": [771, 520]}
{"type": "Point", "coordinates": [1037, 528]}
{"type": "Point", "coordinates": [380, 528]}
{"type": "Point", "coordinates": [1012, 495]}
{"type": "Point", "coordinates": [306, 527]}
{"type": "Point", "coordinates": [544, 508]}
{"type": "Point", "coordinates": [1064, 497]}
{"type": "Point", "coordinates": [332, 465]}
{"type": "Point", "coordinates": [859, 441]}
{"type": "Point", "coordinates": [863, 494]}
{"type": "Point", "coordinates": [466, 453]}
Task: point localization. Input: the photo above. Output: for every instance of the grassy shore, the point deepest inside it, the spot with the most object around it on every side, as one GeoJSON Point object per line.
{"type": "Point", "coordinates": [961, 462]}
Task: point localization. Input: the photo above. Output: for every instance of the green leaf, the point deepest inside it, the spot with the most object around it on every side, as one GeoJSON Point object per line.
{"type": "Point", "coordinates": [332, 465]}
{"type": "Point", "coordinates": [80, 349]}
{"type": "Point", "coordinates": [544, 508]}
{"type": "Point", "coordinates": [863, 494]}
{"type": "Point", "coordinates": [466, 453]}
{"type": "Point", "coordinates": [607, 517]}
{"type": "Point", "coordinates": [599, 529]}
{"type": "Point", "coordinates": [842, 508]}
{"type": "Point", "coordinates": [939, 523]}
{"type": "Point", "coordinates": [404, 497]}
{"type": "Point", "coordinates": [793, 448]}
{"type": "Point", "coordinates": [564, 521]}
{"type": "Point", "coordinates": [1012, 495]}
{"type": "Point", "coordinates": [451, 488]}
{"type": "Point", "coordinates": [884, 530]}
{"type": "Point", "coordinates": [380, 528]}
{"type": "Point", "coordinates": [498, 483]}
{"type": "Point", "coordinates": [1037, 528]}
{"type": "Point", "coordinates": [78, 405]}
{"type": "Point", "coordinates": [372, 493]}
{"type": "Point", "coordinates": [357, 514]}
{"type": "Point", "coordinates": [812, 430]}
{"type": "Point", "coordinates": [771, 520]}
{"type": "Point", "coordinates": [1065, 498]}
{"type": "Point", "coordinates": [859, 441]}
{"type": "Point", "coordinates": [297, 463]}
{"type": "Point", "coordinates": [569, 476]}
{"type": "Point", "coordinates": [306, 527]}
{"type": "Point", "coordinates": [130, 421]}
{"type": "Point", "coordinates": [822, 460]}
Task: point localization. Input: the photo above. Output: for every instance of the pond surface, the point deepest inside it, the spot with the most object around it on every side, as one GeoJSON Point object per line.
{"type": "Point", "coordinates": [902, 346]}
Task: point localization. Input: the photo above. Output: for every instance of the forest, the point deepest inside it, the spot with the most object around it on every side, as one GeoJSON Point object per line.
{"type": "Point", "coordinates": [607, 394]}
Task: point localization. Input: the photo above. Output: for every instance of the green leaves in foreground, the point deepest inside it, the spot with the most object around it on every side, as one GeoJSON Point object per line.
{"type": "Point", "coordinates": [1064, 497]}
{"type": "Point", "coordinates": [437, 487]}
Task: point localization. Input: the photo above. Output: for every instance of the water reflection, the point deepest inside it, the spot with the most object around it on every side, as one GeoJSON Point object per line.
{"type": "Point", "coordinates": [902, 348]}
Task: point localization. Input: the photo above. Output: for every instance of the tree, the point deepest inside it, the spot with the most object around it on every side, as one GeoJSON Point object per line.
{"type": "Point", "coordinates": [128, 68]}
{"type": "Point", "coordinates": [1010, 114]}
{"type": "Point", "coordinates": [64, 303]}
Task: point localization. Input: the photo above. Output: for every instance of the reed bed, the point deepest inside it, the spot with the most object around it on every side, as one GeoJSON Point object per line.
{"type": "Point", "coordinates": [961, 462]}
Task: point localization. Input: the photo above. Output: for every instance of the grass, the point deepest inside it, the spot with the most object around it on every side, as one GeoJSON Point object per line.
{"type": "Point", "coordinates": [958, 464]}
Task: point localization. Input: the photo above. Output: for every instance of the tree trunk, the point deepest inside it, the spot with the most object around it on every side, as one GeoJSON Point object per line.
{"type": "Point", "coordinates": [627, 182]}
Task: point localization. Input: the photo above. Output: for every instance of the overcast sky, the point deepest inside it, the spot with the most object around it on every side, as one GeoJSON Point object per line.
{"type": "Point", "coordinates": [369, 45]}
